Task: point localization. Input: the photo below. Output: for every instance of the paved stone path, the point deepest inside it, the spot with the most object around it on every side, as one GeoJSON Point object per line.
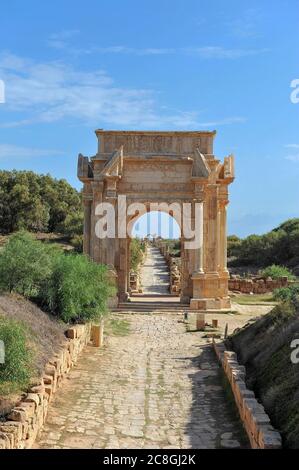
{"type": "Point", "coordinates": [158, 387]}
{"type": "Point", "coordinates": [155, 273]}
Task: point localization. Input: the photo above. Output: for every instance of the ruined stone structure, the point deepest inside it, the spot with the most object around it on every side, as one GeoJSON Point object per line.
{"type": "Point", "coordinates": [162, 167]}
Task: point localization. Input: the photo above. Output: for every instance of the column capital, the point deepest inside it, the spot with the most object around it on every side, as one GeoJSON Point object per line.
{"type": "Point", "coordinates": [87, 199]}
{"type": "Point", "coordinates": [97, 188]}
{"type": "Point", "coordinates": [199, 194]}
{"type": "Point", "coordinates": [222, 203]}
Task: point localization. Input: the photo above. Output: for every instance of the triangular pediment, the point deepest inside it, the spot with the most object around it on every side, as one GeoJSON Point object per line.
{"type": "Point", "coordinates": [200, 168]}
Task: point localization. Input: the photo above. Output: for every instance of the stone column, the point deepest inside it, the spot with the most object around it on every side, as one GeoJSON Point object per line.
{"type": "Point", "coordinates": [198, 273]}
{"type": "Point", "coordinates": [186, 282]}
{"type": "Point", "coordinates": [222, 236]}
{"type": "Point", "coordinates": [223, 272]}
{"type": "Point", "coordinates": [206, 284]}
{"type": "Point", "coordinates": [123, 270]}
{"type": "Point", "coordinates": [110, 243]}
{"type": "Point", "coordinates": [198, 252]}
{"type": "Point", "coordinates": [128, 265]}
{"type": "Point", "coordinates": [87, 203]}
{"type": "Point", "coordinates": [211, 239]}
{"type": "Point", "coordinates": [95, 242]}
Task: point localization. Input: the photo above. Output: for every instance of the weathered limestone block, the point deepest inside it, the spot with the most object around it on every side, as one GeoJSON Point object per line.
{"type": "Point", "coordinates": [13, 431]}
{"type": "Point", "coordinates": [268, 439]}
{"type": "Point", "coordinates": [17, 414]}
{"type": "Point", "coordinates": [200, 321]}
{"type": "Point", "coordinates": [5, 442]}
{"type": "Point", "coordinates": [71, 333]}
{"type": "Point", "coordinates": [257, 421]}
{"type": "Point", "coordinates": [33, 398]}
{"type": "Point", "coordinates": [39, 389]}
{"type": "Point", "coordinates": [29, 408]}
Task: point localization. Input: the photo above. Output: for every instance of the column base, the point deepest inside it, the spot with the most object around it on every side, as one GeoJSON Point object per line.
{"type": "Point", "coordinates": [123, 296]}
{"type": "Point", "coordinates": [206, 304]}
{"type": "Point", "coordinates": [210, 291]}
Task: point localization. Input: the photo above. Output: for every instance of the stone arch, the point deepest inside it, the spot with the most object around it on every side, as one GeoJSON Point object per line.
{"type": "Point", "coordinates": [135, 219]}
{"type": "Point", "coordinates": [146, 167]}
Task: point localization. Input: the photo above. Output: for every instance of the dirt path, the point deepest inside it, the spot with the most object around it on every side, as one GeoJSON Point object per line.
{"type": "Point", "coordinates": [157, 387]}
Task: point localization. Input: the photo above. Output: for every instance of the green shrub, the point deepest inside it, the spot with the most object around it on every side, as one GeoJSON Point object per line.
{"type": "Point", "coordinates": [286, 294]}
{"type": "Point", "coordinates": [25, 265]}
{"type": "Point", "coordinates": [174, 247]}
{"type": "Point", "coordinates": [78, 290]}
{"type": "Point", "coordinates": [16, 371]}
{"type": "Point", "coordinates": [77, 243]}
{"type": "Point", "coordinates": [137, 249]}
{"type": "Point", "coordinates": [70, 286]}
{"type": "Point", "coordinates": [275, 271]}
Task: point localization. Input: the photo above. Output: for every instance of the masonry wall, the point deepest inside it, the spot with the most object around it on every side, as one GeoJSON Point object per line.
{"type": "Point", "coordinates": [25, 421]}
{"type": "Point", "coordinates": [255, 420]}
{"type": "Point", "coordinates": [258, 285]}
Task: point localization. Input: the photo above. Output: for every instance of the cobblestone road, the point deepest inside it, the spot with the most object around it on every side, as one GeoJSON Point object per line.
{"type": "Point", "coordinates": [157, 387]}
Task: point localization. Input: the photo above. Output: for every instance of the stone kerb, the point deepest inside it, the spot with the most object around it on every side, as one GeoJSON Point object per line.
{"type": "Point", "coordinates": [25, 421]}
{"type": "Point", "coordinates": [256, 422]}
{"type": "Point", "coordinates": [175, 274]}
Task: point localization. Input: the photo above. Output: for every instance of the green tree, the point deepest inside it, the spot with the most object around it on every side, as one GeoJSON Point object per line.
{"type": "Point", "coordinates": [26, 265]}
{"type": "Point", "coordinates": [38, 203]}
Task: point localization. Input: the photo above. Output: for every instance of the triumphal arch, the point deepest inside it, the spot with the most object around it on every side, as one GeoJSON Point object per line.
{"type": "Point", "coordinates": [145, 167]}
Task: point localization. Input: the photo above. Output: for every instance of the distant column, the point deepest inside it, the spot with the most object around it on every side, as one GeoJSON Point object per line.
{"type": "Point", "coordinates": [96, 248]}
{"type": "Point", "coordinates": [222, 235]}
{"type": "Point", "coordinates": [211, 239]}
{"type": "Point", "coordinates": [87, 225]}
{"type": "Point", "coordinates": [199, 251]}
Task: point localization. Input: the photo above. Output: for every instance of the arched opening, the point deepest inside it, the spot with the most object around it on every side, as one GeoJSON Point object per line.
{"type": "Point", "coordinates": [154, 256]}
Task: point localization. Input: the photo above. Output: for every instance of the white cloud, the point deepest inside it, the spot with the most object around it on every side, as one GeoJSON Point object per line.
{"type": "Point", "coordinates": [133, 51]}
{"type": "Point", "coordinates": [216, 52]}
{"type": "Point", "coordinates": [60, 40]}
{"type": "Point", "coordinates": [49, 92]}
{"type": "Point", "coordinates": [247, 25]}
{"type": "Point", "coordinates": [292, 146]}
{"type": "Point", "coordinates": [205, 52]}
{"type": "Point", "coordinates": [16, 151]}
{"type": "Point", "coordinates": [223, 122]}
{"type": "Point", "coordinates": [293, 158]}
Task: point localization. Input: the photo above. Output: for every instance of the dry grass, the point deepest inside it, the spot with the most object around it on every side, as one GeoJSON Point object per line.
{"type": "Point", "coordinates": [45, 335]}
{"type": "Point", "coordinates": [264, 348]}
{"type": "Point", "coordinates": [254, 299]}
{"type": "Point", "coordinates": [46, 332]}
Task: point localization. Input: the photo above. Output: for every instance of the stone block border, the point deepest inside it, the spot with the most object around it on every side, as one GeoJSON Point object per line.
{"type": "Point", "coordinates": [25, 421]}
{"type": "Point", "coordinates": [256, 285]}
{"type": "Point", "coordinates": [256, 422]}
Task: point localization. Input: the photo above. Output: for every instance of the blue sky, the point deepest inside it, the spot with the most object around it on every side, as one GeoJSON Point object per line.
{"type": "Point", "coordinates": [71, 67]}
